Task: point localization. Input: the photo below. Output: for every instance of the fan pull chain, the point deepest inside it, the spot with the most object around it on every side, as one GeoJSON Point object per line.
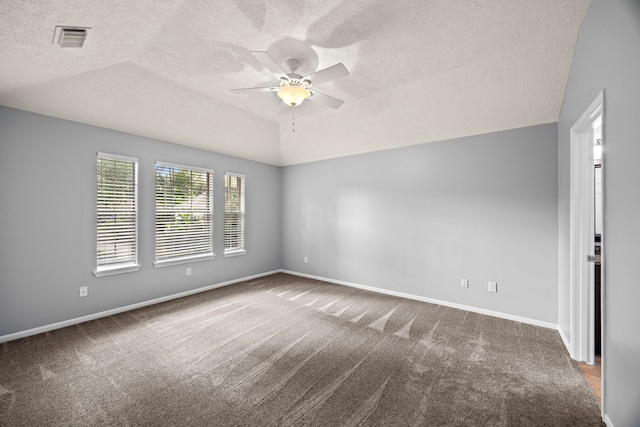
{"type": "Point", "coordinates": [293, 120]}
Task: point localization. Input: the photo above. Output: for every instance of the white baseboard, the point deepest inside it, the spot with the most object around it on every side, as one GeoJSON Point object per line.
{"type": "Point", "coordinates": [607, 421]}
{"type": "Point", "coordinates": [565, 340]}
{"type": "Point", "coordinates": [75, 321]}
{"type": "Point", "coordinates": [65, 323]}
{"type": "Point", "coordinates": [429, 300]}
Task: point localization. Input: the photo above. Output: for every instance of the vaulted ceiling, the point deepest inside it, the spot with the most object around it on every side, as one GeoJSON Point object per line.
{"type": "Point", "coordinates": [420, 70]}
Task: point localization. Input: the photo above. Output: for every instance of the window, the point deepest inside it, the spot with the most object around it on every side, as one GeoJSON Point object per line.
{"type": "Point", "coordinates": [234, 214]}
{"type": "Point", "coordinates": [117, 215]}
{"type": "Point", "coordinates": [184, 214]}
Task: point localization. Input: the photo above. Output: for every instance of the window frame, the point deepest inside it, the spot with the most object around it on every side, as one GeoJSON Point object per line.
{"type": "Point", "coordinates": [241, 250]}
{"type": "Point", "coordinates": [128, 266]}
{"type": "Point", "coordinates": [176, 260]}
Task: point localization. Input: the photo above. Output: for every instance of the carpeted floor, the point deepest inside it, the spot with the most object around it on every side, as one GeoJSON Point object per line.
{"type": "Point", "coordinates": [288, 351]}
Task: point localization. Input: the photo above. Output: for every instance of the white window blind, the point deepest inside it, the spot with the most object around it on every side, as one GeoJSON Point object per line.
{"type": "Point", "coordinates": [184, 214]}
{"type": "Point", "coordinates": [234, 208]}
{"type": "Point", "coordinates": [117, 214]}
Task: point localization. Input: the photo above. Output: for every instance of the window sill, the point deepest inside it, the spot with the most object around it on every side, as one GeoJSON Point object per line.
{"type": "Point", "coordinates": [109, 271]}
{"type": "Point", "coordinates": [183, 260]}
{"type": "Point", "coordinates": [235, 252]}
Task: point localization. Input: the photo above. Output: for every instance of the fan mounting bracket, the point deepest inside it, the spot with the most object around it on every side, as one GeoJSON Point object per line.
{"type": "Point", "coordinates": [292, 64]}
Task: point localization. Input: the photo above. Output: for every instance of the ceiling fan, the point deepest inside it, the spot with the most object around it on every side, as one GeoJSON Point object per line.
{"type": "Point", "coordinates": [292, 88]}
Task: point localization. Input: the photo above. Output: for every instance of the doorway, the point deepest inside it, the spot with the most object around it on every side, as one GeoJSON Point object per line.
{"type": "Point", "coordinates": [598, 226]}
{"type": "Point", "coordinates": [587, 238]}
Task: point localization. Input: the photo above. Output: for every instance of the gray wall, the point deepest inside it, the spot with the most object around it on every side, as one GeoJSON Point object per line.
{"type": "Point", "coordinates": [48, 217]}
{"type": "Point", "coordinates": [607, 56]}
{"type": "Point", "coordinates": [418, 219]}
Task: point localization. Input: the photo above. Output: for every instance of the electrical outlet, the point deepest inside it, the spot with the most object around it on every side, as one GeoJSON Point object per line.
{"type": "Point", "coordinates": [189, 271]}
{"type": "Point", "coordinates": [493, 286]}
{"type": "Point", "coordinates": [464, 283]}
{"type": "Point", "coordinates": [306, 260]}
{"type": "Point", "coordinates": [84, 291]}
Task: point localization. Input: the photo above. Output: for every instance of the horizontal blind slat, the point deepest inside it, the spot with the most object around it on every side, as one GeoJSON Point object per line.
{"type": "Point", "coordinates": [184, 211]}
{"type": "Point", "coordinates": [234, 221]}
{"type": "Point", "coordinates": [116, 211]}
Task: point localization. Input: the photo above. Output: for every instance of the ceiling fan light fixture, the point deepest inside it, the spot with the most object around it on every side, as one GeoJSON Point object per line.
{"type": "Point", "coordinates": [293, 95]}
{"type": "Point", "coordinates": [293, 88]}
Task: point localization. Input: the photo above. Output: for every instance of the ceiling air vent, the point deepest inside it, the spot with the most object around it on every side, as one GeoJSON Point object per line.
{"type": "Point", "coordinates": [70, 36]}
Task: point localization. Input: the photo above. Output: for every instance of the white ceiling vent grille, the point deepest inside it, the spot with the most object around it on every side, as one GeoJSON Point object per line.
{"type": "Point", "coordinates": [70, 36]}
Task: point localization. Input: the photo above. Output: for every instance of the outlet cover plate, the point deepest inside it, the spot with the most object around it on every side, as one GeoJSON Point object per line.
{"type": "Point", "coordinates": [493, 286]}
{"type": "Point", "coordinates": [84, 291]}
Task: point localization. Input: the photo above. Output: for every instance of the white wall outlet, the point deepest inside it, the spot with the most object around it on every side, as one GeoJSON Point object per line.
{"type": "Point", "coordinates": [84, 291]}
{"type": "Point", "coordinates": [493, 286]}
{"type": "Point", "coordinates": [306, 260]}
{"type": "Point", "coordinates": [189, 271]}
{"type": "Point", "coordinates": [464, 283]}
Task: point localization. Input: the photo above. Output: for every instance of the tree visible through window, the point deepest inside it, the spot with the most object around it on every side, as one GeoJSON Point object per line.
{"type": "Point", "coordinates": [117, 214]}
{"type": "Point", "coordinates": [234, 185]}
{"type": "Point", "coordinates": [184, 214]}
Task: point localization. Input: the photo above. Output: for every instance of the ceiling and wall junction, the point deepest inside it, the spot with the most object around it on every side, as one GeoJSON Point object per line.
{"type": "Point", "coordinates": [420, 71]}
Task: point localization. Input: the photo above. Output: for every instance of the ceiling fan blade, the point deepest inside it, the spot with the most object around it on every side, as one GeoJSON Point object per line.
{"type": "Point", "coordinates": [270, 63]}
{"type": "Point", "coordinates": [255, 89]}
{"type": "Point", "coordinates": [325, 99]}
{"type": "Point", "coordinates": [328, 74]}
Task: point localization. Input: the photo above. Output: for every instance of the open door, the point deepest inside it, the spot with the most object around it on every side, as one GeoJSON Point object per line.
{"type": "Point", "coordinates": [582, 232]}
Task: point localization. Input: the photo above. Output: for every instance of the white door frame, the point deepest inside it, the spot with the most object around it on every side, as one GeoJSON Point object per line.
{"type": "Point", "coordinates": [581, 274]}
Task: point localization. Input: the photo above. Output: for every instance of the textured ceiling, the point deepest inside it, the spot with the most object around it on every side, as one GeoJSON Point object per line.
{"type": "Point", "coordinates": [420, 70]}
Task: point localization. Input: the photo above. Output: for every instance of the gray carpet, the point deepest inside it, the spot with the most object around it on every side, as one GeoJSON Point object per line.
{"type": "Point", "coordinates": [289, 351]}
